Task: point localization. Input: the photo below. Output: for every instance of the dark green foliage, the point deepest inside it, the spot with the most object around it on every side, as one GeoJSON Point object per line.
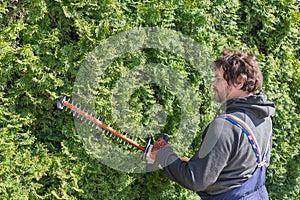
{"type": "Point", "coordinates": [43, 44]}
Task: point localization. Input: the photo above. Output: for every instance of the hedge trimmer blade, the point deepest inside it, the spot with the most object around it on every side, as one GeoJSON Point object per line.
{"type": "Point", "coordinates": [93, 121]}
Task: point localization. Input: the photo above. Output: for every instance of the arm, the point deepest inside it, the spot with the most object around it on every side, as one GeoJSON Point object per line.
{"type": "Point", "coordinates": [205, 166]}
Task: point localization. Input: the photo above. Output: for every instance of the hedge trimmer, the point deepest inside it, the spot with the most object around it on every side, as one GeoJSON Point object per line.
{"type": "Point", "coordinates": [89, 118]}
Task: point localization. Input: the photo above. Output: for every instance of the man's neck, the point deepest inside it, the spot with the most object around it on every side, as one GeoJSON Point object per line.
{"type": "Point", "coordinates": [237, 93]}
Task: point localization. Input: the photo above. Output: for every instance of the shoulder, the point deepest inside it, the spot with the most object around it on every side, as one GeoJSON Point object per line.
{"type": "Point", "coordinates": [219, 126]}
{"type": "Point", "coordinates": [220, 135]}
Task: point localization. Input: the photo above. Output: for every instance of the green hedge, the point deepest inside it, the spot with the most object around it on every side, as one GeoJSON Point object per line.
{"type": "Point", "coordinates": [43, 44]}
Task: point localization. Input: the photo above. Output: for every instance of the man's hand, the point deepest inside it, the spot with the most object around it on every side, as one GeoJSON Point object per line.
{"type": "Point", "coordinates": [151, 150]}
{"type": "Point", "coordinates": [158, 145]}
{"type": "Point", "coordinates": [185, 159]}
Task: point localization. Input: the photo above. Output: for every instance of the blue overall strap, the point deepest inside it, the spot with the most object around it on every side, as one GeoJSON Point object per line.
{"type": "Point", "coordinates": [246, 129]}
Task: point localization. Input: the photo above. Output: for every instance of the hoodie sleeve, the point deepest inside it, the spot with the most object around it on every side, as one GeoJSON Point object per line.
{"type": "Point", "coordinates": [205, 166]}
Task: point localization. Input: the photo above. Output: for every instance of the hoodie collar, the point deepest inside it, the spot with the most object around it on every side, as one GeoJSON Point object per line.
{"type": "Point", "coordinates": [254, 105]}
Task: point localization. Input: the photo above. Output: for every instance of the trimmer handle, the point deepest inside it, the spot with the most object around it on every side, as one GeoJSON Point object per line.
{"type": "Point", "coordinates": [166, 137]}
{"type": "Point", "coordinates": [149, 145]}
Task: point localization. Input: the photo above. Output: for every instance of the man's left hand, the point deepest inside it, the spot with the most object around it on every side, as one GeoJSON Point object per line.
{"type": "Point", "coordinates": [158, 145]}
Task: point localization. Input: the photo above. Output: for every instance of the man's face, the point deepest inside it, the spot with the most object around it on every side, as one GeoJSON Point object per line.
{"type": "Point", "coordinates": [220, 86]}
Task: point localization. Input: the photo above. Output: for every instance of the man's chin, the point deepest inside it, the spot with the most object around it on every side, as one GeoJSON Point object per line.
{"type": "Point", "coordinates": [218, 99]}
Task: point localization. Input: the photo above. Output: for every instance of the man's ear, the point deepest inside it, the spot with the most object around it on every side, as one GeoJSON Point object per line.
{"type": "Point", "coordinates": [240, 81]}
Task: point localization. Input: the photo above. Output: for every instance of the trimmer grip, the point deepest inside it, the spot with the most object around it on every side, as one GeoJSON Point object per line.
{"type": "Point", "coordinates": [166, 137]}
{"type": "Point", "coordinates": [149, 145]}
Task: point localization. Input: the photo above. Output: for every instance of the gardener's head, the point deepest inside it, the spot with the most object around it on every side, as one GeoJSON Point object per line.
{"type": "Point", "coordinates": [236, 75]}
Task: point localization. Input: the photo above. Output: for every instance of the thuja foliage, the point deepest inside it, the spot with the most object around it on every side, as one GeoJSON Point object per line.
{"type": "Point", "coordinates": [43, 44]}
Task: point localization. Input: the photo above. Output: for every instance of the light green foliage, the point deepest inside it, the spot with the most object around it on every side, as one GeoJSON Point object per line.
{"type": "Point", "coordinates": [43, 44]}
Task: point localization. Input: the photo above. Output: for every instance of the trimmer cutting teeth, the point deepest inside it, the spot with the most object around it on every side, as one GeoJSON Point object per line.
{"type": "Point", "coordinates": [108, 131]}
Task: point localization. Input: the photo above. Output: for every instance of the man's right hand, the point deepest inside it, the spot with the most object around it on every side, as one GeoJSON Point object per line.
{"type": "Point", "coordinates": [185, 159]}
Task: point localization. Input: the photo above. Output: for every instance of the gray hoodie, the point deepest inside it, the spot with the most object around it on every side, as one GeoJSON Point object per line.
{"type": "Point", "coordinates": [225, 158]}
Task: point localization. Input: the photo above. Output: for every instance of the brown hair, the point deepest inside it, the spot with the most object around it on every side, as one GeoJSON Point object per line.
{"type": "Point", "coordinates": [236, 64]}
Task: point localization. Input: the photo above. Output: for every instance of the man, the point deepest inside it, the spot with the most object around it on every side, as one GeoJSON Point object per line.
{"type": "Point", "coordinates": [234, 152]}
